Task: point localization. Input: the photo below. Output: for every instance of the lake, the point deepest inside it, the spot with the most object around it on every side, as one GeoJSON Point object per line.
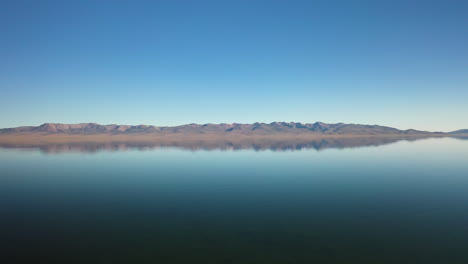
{"type": "Point", "coordinates": [392, 201]}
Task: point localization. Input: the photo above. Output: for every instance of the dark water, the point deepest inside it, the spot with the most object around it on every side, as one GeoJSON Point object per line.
{"type": "Point", "coordinates": [400, 202]}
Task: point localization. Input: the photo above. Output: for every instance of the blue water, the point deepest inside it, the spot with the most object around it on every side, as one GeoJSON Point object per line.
{"type": "Point", "coordinates": [403, 202]}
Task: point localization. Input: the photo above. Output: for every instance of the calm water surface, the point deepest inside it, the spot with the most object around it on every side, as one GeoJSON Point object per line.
{"type": "Point", "coordinates": [404, 202]}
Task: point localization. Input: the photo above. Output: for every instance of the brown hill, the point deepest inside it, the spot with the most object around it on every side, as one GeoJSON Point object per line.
{"type": "Point", "coordinates": [274, 128]}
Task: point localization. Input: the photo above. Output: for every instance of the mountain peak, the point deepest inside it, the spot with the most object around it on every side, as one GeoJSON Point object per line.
{"type": "Point", "coordinates": [257, 128]}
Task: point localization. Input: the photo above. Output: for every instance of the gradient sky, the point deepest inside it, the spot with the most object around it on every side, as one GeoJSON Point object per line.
{"type": "Point", "coordinates": [396, 63]}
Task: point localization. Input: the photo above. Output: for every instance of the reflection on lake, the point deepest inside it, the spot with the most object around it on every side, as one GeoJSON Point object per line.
{"type": "Point", "coordinates": [401, 202]}
{"type": "Point", "coordinates": [254, 144]}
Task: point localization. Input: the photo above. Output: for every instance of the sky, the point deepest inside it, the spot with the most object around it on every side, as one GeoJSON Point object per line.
{"type": "Point", "coordinates": [397, 63]}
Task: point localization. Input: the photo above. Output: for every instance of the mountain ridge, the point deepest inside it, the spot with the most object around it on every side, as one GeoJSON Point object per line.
{"type": "Point", "coordinates": [460, 131]}
{"type": "Point", "coordinates": [258, 128]}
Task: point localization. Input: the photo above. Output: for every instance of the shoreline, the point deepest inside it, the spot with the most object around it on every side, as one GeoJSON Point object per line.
{"type": "Point", "coordinates": [55, 143]}
{"type": "Point", "coordinates": [146, 137]}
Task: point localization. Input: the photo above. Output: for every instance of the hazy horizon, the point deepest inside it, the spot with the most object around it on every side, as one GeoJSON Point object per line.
{"type": "Point", "coordinates": [401, 64]}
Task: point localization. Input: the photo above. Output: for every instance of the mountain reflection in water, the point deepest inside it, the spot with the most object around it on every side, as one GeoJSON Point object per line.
{"type": "Point", "coordinates": [254, 144]}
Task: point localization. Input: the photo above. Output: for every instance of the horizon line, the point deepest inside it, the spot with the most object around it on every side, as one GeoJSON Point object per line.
{"type": "Point", "coordinates": [225, 123]}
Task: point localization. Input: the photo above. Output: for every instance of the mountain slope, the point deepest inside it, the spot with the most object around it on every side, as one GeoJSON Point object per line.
{"type": "Point", "coordinates": [461, 131]}
{"type": "Point", "coordinates": [274, 128]}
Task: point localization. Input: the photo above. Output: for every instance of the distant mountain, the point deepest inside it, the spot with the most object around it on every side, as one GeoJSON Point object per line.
{"type": "Point", "coordinates": [274, 128]}
{"type": "Point", "coordinates": [461, 131]}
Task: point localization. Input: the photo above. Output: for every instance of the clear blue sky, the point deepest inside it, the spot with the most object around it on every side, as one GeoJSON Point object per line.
{"type": "Point", "coordinates": [396, 63]}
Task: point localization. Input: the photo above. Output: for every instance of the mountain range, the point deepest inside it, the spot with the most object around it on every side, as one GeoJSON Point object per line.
{"type": "Point", "coordinates": [262, 129]}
